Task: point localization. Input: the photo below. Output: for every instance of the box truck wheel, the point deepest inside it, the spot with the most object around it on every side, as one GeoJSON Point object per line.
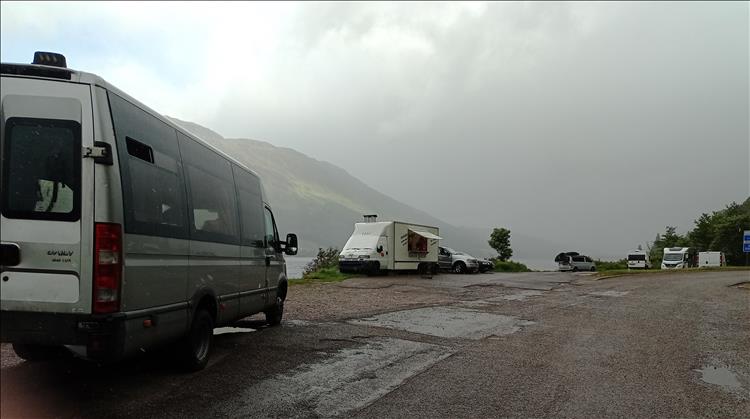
{"type": "Point", "coordinates": [32, 353]}
{"type": "Point", "coordinates": [197, 345]}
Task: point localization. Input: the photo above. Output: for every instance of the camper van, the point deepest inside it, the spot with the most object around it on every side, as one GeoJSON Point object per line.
{"type": "Point", "coordinates": [679, 258]}
{"type": "Point", "coordinates": [119, 230]}
{"type": "Point", "coordinates": [711, 259]}
{"type": "Point", "coordinates": [638, 259]}
{"type": "Point", "coordinates": [390, 246]}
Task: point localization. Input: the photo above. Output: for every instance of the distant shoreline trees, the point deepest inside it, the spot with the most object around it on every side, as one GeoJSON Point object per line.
{"type": "Point", "coordinates": [720, 231]}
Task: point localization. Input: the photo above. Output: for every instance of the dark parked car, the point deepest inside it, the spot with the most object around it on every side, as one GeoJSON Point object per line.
{"type": "Point", "coordinates": [485, 265]}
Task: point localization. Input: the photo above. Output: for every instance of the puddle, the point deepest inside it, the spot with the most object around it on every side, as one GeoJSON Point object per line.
{"type": "Point", "coordinates": [447, 322]}
{"type": "Point", "coordinates": [720, 377]}
{"type": "Point", "coordinates": [225, 330]}
{"type": "Point", "coordinates": [350, 380]}
{"type": "Point", "coordinates": [519, 296]}
{"type": "Point", "coordinates": [610, 293]}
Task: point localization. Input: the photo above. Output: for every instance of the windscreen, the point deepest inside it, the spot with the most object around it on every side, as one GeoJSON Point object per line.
{"type": "Point", "coordinates": [672, 257]}
{"type": "Point", "coordinates": [636, 257]}
{"type": "Point", "coordinates": [41, 169]}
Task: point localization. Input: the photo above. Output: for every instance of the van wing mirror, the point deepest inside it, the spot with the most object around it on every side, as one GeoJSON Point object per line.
{"type": "Point", "coordinates": [379, 249]}
{"type": "Point", "coordinates": [291, 244]}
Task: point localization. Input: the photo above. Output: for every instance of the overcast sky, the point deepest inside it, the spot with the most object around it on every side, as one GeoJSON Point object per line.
{"type": "Point", "coordinates": [595, 124]}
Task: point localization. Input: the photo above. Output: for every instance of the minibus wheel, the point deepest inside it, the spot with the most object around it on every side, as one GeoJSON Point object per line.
{"type": "Point", "coordinates": [274, 315]}
{"type": "Point", "coordinates": [198, 343]}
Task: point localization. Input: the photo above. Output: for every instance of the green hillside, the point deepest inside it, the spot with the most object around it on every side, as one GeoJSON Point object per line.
{"type": "Point", "coordinates": [321, 202]}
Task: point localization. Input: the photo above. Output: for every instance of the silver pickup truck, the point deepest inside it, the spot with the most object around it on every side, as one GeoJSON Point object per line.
{"type": "Point", "coordinates": [458, 262]}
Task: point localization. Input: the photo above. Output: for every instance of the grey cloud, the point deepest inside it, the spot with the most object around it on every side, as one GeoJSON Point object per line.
{"type": "Point", "coordinates": [595, 128]}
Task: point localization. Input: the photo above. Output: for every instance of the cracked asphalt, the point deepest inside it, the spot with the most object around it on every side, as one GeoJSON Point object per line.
{"type": "Point", "coordinates": [489, 345]}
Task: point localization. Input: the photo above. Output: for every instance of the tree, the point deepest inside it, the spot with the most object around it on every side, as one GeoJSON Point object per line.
{"type": "Point", "coordinates": [500, 241]}
{"type": "Point", "coordinates": [670, 238]}
{"type": "Point", "coordinates": [703, 233]}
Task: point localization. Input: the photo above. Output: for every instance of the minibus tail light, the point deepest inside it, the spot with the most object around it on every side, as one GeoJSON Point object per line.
{"type": "Point", "coordinates": [107, 267]}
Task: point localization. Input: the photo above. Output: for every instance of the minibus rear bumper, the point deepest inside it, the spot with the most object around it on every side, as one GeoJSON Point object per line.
{"type": "Point", "coordinates": [102, 335]}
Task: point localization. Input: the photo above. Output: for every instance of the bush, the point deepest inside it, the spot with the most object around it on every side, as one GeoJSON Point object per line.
{"type": "Point", "coordinates": [325, 275]}
{"type": "Point", "coordinates": [605, 265]}
{"type": "Point", "coordinates": [510, 266]}
{"type": "Point", "coordinates": [326, 258]}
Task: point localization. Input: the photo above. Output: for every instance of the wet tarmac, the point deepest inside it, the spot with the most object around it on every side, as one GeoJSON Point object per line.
{"type": "Point", "coordinates": [447, 322]}
{"type": "Point", "coordinates": [494, 345]}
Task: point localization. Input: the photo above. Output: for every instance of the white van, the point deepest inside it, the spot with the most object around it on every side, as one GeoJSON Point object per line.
{"type": "Point", "coordinates": [638, 259]}
{"type": "Point", "coordinates": [679, 258]}
{"type": "Point", "coordinates": [120, 230]}
{"type": "Point", "coordinates": [711, 259]}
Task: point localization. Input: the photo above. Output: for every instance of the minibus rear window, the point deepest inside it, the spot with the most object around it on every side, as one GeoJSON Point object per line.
{"type": "Point", "coordinates": [41, 176]}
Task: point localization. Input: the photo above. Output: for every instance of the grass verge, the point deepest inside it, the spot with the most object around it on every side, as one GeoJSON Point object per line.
{"type": "Point", "coordinates": [623, 272]}
{"type": "Point", "coordinates": [510, 266]}
{"type": "Point", "coordinates": [320, 276]}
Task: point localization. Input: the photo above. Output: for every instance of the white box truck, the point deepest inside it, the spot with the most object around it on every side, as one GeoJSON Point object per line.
{"type": "Point", "coordinates": [711, 259]}
{"type": "Point", "coordinates": [390, 246]}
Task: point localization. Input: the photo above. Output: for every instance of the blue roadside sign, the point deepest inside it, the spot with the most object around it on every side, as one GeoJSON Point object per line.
{"type": "Point", "coordinates": [746, 241]}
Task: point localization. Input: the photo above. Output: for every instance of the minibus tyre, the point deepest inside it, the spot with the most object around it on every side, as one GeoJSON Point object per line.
{"type": "Point", "coordinates": [34, 353]}
{"type": "Point", "coordinates": [274, 315]}
{"type": "Point", "coordinates": [197, 345]}
{"type": "Point", "coordinates": [593, 269]}
{"type": "Point", "coordinates": [575, 269]}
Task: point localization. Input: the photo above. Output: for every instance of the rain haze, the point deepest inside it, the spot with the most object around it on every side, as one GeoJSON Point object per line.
{"type": "Point", "coordinates": [593, 125]}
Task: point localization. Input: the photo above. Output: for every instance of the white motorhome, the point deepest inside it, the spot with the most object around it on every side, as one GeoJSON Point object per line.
{"type": "Point", "coordinates": [679, 258]}
{"type": "Point", "coordinates": [119, 230]}
{"type": "Point", "coordinates": [638, 259]}
{"type": "Point", "coordinates": [390, 246]}
{"type": "Point", "coordinates": [711, 259]}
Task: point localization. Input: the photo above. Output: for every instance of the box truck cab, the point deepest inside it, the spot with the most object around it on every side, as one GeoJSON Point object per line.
{"type": "Point", "coordinates": [390, 246]}
{"type": "Point", "coordinates": [679, 258]}
{"type": "Point", "coordinates": [638, 259]}
{"type": "Point", "coordinates": [120, 230]}
{"type": "Point", "coordinates": [711, 259]}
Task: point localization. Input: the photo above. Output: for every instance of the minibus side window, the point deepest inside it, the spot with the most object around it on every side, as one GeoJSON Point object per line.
{"type": "Point", "coordinates": [251, 207]}
{"type": "Point", "coordinates": [213, 201]}
{"type": "Point", "coordinates": [152, 174]}
{"type": "Point", "coordinates": [41, 176]}
{"type": "Point", "coordinates": [272, 236]}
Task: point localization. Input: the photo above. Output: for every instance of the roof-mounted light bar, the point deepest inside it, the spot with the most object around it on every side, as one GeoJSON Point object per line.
{"type": "Point", "coordinates": [51, 59]}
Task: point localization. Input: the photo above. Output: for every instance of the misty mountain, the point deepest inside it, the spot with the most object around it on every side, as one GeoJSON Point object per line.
{"type": "Point", "coordinates": [321, 202]}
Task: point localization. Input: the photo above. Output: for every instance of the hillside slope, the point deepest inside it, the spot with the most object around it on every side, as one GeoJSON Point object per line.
{"type": "Point", "coordinates": [320, 201]}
